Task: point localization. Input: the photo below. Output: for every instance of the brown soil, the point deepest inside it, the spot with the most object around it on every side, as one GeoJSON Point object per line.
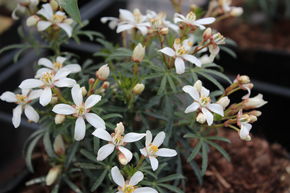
{"type": "Point", "coordinates": [256, 167]}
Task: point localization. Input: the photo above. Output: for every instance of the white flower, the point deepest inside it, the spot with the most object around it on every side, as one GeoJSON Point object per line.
{"type": "Point", "coordinates": [113, 21]}
{"type": "Point", "coordinates": [254, 102]}
{"type": "Point", "coordinates": [224, 101]}
{"type": "Point", "coordinates": [24, 5]}
{"type": "Point", "coordinates": [55, 66]}
{"type": "Point", "coordinates": [58, 19]}
{"type": "Point", "coordinates": [190, 19]}
{"type": "Point", "coordinates": [138, 53]}
{"type": "Point", "coordinates": [81, 110]}
{"type": "Point", "coordinates": [152, 150]}
{"type": "Point", "coordinates": [202, 101]}
{"type": "Point", "coordinates": [23, 101]}
{"type": "Point", "coordinates": [133, 20]}
{"type": "Point", "coordinates": [181, 53]}
{"type": "Point", "coordinates": [158, 21]}
{"type": "Point", "coordinates": [244, 83]}
{"type": "Point", "coordinates": [244, 123]}
{"type": "Point", "coordinates": [116, 140]}
{"type": "Point", "coordinates": [46, 82]}
{"type": "Point", "coordinates": [129, 186]}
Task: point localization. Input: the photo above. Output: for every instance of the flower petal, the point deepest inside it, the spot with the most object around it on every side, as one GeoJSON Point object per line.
{"type": "Point", "coordinates": [95, 120]}
{"type": "Point", "coordinates": [16, 118]}
{"type": "Point", "coordinates": [124, 27]}
{"type": "Point", "coordinates": [65, 82]}
{"type": "Point", "coordinates": [9, 97]}
{"type": "Point", "coordinates": [154, 163]}
{"type": "Point", "coordinates": [45, 96]}
{"type": "Point", "coordinates": [102, 134]}
{"type": "Point", "coordinates": [34, 94]}
{"type": "Point", "coordinates": [192, 59]}
{"type": "Point", "coordinates": [144, 152]}
{"type": "Point", "coordinates": [245, 131]}
{"type": "Point", "coordinates": [142, 29]}
{"type": "Point", "coordinates": [60, 59]}
{"type": "Point", "coordinates": [159, 139]}
{"type": "Point", "coordinates": [127, 153]}
{"type": "Point", "coordinates": [80, 129]}
{"type": "Point", "coordinates": [132, 137]}
{"type": "Point", "coordinates": [61, 73]}
{"type": "Point", "coordinates": [40, 71]}
{"type": "Point", "coordinates": [31, 83]}
{"type": "Point", "coordinates": [148, 140]}
{"type": "Point", "coordinates": [63, 109]}
{"type": "Point", "coordinates": [46, 11]}
{"type": "Point", "coordinates": [43, 25]}
{"type": "Point", "coordinates": [168, 51]}
{"type": "Point", "coordinates": [92, 100]}
{"type": "Point", "coordinates": [204, 21]}
{"type": "Point", "coordinates": [165, 152]}
{"type": "Point", "coordinates": [179, 65]}
{"type": "Point", "coordinates": [76, 93]}
{"type": "Point", "coordinates": [191, 108]}
{"type": "Point", "coordinates": [191, 91]}
{"type": "Point", "coordinates": [208, 115]}
{"type": "Point", "coordinates": [73, 68]}
{"type": "Point", "coordinates": [136, 178]}
{"type": "Point", "coordinates": [67, 28]}
{"type": "Point", "coordinates": [31, 114]}
{"type": "Point", "coordinates": [216, 108]}
{"type": "Point", "coordinates": [45, 62]}
{"type": "Point", "coordinates": [117, 176]}
{"type": "Point", "coordinates": [105, 151]}
{"type": "Point", "coordinates": [204, 92]}
{"type": "Point", "coordinates": [126, 15]}
{"type": "Point", "coordinates": [145, 190]}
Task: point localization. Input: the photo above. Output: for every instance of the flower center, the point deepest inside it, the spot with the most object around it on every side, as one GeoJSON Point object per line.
{"type": "Point", "coordinates": [21, 99]}
{"type": "Point", "coordinates": [181, 51]}
{"type": "Point", "coordinates": [80, 110]}
{"type": "Point", "coordinates": [137, 15]}
{"type": "Point", "coordinates": [58, 18]}
{"type": "Point", "coordinates": [118, 139]}
{"type": "Point", "coordinates": [128, 189]}
{"type": "Point", "coordinates": [152, 149]}
{"type": "Point", "coordinates": [204, 100]}
{"type": "Point", "coordinates": [191, 16]}
{"type": "Point", "coordinates": [57, 65]}
{"type": "Point", "coordinates": [47, 78]}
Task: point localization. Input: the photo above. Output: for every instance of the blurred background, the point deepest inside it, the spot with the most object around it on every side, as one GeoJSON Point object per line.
{"type": "Point", "coordinates": [262, 51]}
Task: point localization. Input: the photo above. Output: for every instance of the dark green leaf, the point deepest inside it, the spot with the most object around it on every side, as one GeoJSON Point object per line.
{"type": "Point", "coordinates": [99, 180]}
{"type": "Point", "coordinates": [71, 7]}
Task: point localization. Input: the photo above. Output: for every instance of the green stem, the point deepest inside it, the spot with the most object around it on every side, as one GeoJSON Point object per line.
{"type": "Point", "coordinates": [140, 162]}
{"type": "Point", "coordinates": [57, 92]}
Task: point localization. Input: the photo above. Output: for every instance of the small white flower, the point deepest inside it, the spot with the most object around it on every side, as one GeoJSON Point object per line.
{"type": "Point", "coordinates": [190, 19]}
{"type": "Point", "coordinates": [202, 101]}
{"type": "Point", "coordinates": [254, 102]}
{"type": "Point", "coordinates": [23, 101]}
{"type": "Point", "coordinates": [152, 150]}
{"type": "Point", "coordinates": [46, 82]}
{"type": "Point", "coordinates": [158, 21]}
{"type": "Point", "coordinates": [129, 186]}
{"type": "Point", "coordinates": [133, 20]}
{"type": "Point", "coordinates": [55, 66]}
{"type": "Point", "coordinates": [180, 53]}
{"type": "Point", "coordinates": [23, 6]}
{"type": "Point", "coordinates": [244, 123]}
{"type": "Point", "coordinates": [116, 140]}
{"type": "Point", "coordinates": [81, 110]}
{"type": "Point", "coordinates": [58, 19]}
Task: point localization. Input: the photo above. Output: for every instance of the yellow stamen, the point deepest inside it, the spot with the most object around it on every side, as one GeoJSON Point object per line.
{"type": "Point", "coordinates": [58, 18]}
{"type": "Point", "coordinates": [80, 110]}
{"type": "Point", "coordinates": [205, 100]}
{"type": "Point", "coordinates": [47, 78]}
{"type": "Point", "coordinates": [191, 16]}
{"type": "Point", "coordinates": [21, 99]}
{"type": "Point", "coordinates": [128, 189]}
{"type": "Point", "coordinates": [153, 149]}
{"type": "Point", "coordinates": [57, 65]}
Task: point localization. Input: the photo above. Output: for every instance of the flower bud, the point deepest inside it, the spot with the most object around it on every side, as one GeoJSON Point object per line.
{"type": "Point", "coordinates": [236, 11]}
{"type": "Point", "coordinates": [254, 102]}
{"type": "Point", "coordinates": [201, 118]}
{"type": "Point", "coordinates": [84, 91]}
{"type": "Point", "coordinates": [164, 31]}
{"type": "Point", "coordinates": [205, 59]}
{"type": "Point", "coordinates": [54, 5]}
{"type": "Point", "coordinates": [255, 113]}
{"type": "Point", "coordinates": [58, 145]}
{"type": "Point", "coordinates": [32, 20]}
{"type": "Point", "coordinates": [224, 101]}
{"type": "Point", "coordinates": [105, 85]}
{"type": "Point", "coordinates": [138, 53]}
{"type": "Point", "coordinates": [103, 73]}
{"type": "Point", "coordinates": [244, 79]}
{"type": "Point", "coordinates": [138, 88]}
{"type": "Point", "coordinates": [53, 100]}
{"type": "Point", "coordinates": [207, 34]}
{"type": "Point", "coordinates": [92, 81]}
{"type": "Point", "coordinates": [122, 159]}
{"type": "Point", "coordinates": [119, 130]}
{"type": "Point", "coordinates": [252, 118]}
{"type": "Point", "coordinates": [58, 119]}
{"type": "Point", "coordinates": [52, 175]}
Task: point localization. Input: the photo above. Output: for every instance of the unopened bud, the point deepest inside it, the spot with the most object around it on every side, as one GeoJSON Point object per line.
{"type": "Point", "coordinates": [119, 130]}
{"type": "Point", "coordinates": [244, 79]}
{"type": "Point", "coordinates": [252, 118]}
{"type": "Point", "coordinates": [92, 81]}
{"type": "Point", "coordinates": [236, 11]}
{"type": "Point", "coordinates": [201, 118]}
{"type": "Point", "coordinates": [207, 34]}
{"type": "Point", "coordinates": [58, 119]}
{"type": "Point", "coordinates": [84, 91]}
{"type": "Point", "coordinates": [105, 85]}
{"type": "Point", "coordinates": [58, 145]}
{"type": "Point", "coordinates": [32, 20]}
{"type": "Point", "coordinates": [122, 159]}
{"type": "Point", "coordinates": [53, 175]}
{"type": "Point", "coordinates": [138, 53]}
{"type": "Point", "coordinates": [53, 100]}
{"type": "Point", "coordinates": [103, 73]}
{"type": "Point", "coordinates": [224, 101]}
{"type": "Point", "coordinates": [256, 113]}
{"type": "Point", "coordinates": [255, 102]}
{"type": "Point", "coordinates": [138, 88]}
{"type": "Point", "coordinates": [164, 31]}
{"type": "Point", "coordinates": [193, 7]}
{"type": "Point", "coordinates": [54, 5]}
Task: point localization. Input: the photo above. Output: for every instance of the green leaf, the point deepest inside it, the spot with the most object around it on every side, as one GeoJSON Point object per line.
{"type": "Point", "coordinates": [171, 83]}
{"type": "Point", "coordinates": [88, 155]}
{"type": "Point", "coordinates": [89, 166]}
{"type": "Point", "coordinates": [194, 152]}
{"type": "Point", "coordinates": [30, 148]}
{"type": "Point", "coordinates": [71, 7]}
{"type": "Point", "coordinates": [204, 156]}
{"type": "Point", "coordinates": [55, 188]}
{"type": "Point", "coordinates": [170, 178]}
{"type": "Point", "coordinates": [99, 180]}
{"type": "Point", "coordinates": [71, 154]}
{"type": "Point", "coordinates": [220, 149]}
{"type": "Point", "coordinates": [210, 78]}
{"type": "Point", "coordinates": [72, 185]}
{"type": "Point", "coordinates": [48, 145]}
{"type": "Point", "coordinates": [171, 188]}
{"type": "Point", "coordinates": [162, 85]}
{"type": "Point", "coordinates": [218, 138]}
